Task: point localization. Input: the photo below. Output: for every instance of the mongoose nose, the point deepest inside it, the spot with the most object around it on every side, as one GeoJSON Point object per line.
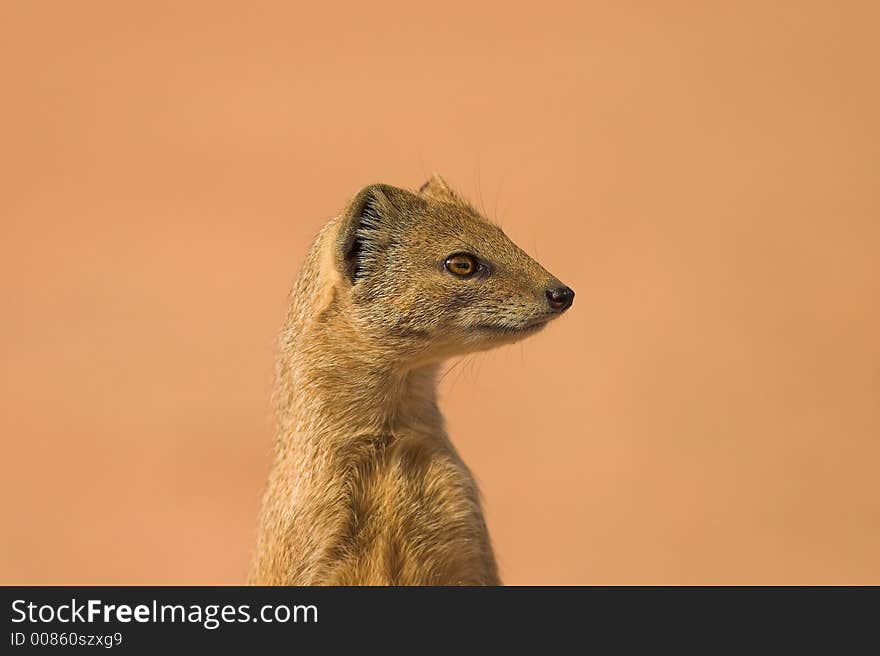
{"type": "Point", "coordinates": [560, 298]}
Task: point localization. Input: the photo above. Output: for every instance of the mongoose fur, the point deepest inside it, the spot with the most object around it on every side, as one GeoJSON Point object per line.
{"type": "Point", "coordinates": [366, 487]}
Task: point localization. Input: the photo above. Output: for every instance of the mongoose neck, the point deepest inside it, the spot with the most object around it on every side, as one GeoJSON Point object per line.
{"type": "Point", "coordinates": [354, 391]}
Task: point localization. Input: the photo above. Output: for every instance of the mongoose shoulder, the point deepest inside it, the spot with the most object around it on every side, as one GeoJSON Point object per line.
{"type": "Point", "coordinates": [366, 488]}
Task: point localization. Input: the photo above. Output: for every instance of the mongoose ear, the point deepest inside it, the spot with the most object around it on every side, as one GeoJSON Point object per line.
{"type": "Point", "coordinates": [438, 189]}
{"type": "Point", "coordinates": [365, 228]}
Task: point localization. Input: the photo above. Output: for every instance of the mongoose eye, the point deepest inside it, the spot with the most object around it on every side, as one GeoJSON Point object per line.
{"type": "Point", "coordinates": [462, 264]}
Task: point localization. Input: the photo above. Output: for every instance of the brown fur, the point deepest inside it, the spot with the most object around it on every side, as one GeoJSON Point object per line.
{"type": "Point", "coordinates": [366, 487]}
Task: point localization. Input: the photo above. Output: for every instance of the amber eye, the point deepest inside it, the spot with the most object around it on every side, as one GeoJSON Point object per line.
{"type": "Point", "coordinates": [461, 264]}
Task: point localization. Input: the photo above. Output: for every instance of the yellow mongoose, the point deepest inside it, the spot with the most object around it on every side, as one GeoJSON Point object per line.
{"type": "Point", "coordinates": [366, 487]}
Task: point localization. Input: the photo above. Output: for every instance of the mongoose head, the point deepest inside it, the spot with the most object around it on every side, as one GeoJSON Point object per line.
{"type": "Point", "coordinates": [426, 273]}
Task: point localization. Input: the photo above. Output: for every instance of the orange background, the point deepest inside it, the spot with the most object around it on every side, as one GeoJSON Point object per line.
{"type": "Point", "coordinates": [705, 176]}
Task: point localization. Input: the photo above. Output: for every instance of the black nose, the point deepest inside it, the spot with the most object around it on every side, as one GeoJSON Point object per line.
{"type": "Point", "coordinates": [560, 298]}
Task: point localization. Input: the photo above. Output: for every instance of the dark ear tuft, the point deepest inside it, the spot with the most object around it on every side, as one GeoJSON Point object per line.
{"type": "Point", "coordinates": [368, 221]}
{"type": "Point", "coordinates": [369, 224]}
{"type": "Point", "coordinates": [363, 230]}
